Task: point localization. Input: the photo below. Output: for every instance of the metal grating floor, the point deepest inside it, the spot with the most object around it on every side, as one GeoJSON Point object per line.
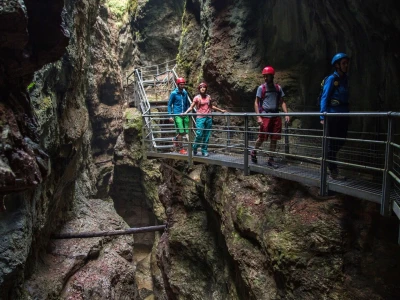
{"type": "Point", "coordinates": [354, 186]}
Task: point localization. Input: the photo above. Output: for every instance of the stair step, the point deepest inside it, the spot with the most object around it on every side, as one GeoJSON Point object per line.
{"type": "Point", "coordinates": [164, 125]}
{"type": "Point", "coordinates": [164, 139]}
{"type": "Point", "coordinates": [164, 131]}
{"type": "Point", "coordinates": [159, 106]}
{"type": "Point", "coordinates": [163, 146]}
{"type": "Point", "coordinates": [158, 102]}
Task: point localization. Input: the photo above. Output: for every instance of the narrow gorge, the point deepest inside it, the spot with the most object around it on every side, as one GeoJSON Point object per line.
{"type": "Point", "coordinates": [72, 160]}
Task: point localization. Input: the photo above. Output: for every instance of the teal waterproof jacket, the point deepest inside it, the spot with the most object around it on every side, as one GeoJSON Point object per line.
{"type": "Point", "coordinates": [178, 102]}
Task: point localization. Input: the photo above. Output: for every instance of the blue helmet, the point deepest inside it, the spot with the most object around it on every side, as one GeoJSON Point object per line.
{"type": "Point", "coordinates": [337, 57]}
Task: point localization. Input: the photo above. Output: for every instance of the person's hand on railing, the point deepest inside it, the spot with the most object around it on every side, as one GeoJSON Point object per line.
{"type": "Point", "coordinates": [322, 122]}
{"type": "Point", "coordinates": [171, 120]}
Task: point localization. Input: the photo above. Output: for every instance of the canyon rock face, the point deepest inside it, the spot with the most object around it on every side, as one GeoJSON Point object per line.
{"type": "Point", "coordinates": [23, 49]}
{"type": "Point", "coordinates": [100, 267]}
{"type": "Point", "coordinates": [251, 237]}
{"type": "Point", "coordinates": [227, 44]}
{"type": "Point", "coordinates": [152, 36]}
{"type": "Point", "coordinates": [24, 161]}
{"type": "Point", "coordinates": [71, 158]}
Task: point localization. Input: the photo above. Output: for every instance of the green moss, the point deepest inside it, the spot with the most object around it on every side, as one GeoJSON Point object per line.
{"type": "Point", "coordinates": [117, 7]}
{"type": "Point", "coordinates": [243, 215]}
{"type": "Point", "coordinates": [132, 7]}
{"type": "Point", "coordinates": [184, 64]}
{"type": "Point", "coordinates": [138, 36]}
{"type": "Point", "coordinates": [133, 121]}
{"type": "Point", "coordinates": [45, 104]}
{"type": "Point", "coordinates": [31, 86]}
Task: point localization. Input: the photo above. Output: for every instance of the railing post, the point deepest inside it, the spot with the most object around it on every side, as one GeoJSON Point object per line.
{"type": "Point", "coordinates": [387, 182]}
{"type": "Point", "coordinates": [286, 131]}
{"type": "Point", "coordinates": [228, 133]}
{"type": "Point", "coordinates": [154, 85]}
{"type": "Point", "coordinates": [323, 186]}
{"type": "Point", "coordinates": [246, 145]}
{"type": "Point", "coordinates": [144, 153]}
{"type": "Point", "coordinates": [190, 152]}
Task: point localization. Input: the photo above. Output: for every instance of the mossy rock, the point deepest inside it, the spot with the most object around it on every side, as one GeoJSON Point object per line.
{"type": "Point", "coordinates": [132, 124]}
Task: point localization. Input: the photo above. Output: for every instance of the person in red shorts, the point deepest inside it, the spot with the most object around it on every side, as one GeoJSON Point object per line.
{"type": "Point", "coordinates": [268, 99]}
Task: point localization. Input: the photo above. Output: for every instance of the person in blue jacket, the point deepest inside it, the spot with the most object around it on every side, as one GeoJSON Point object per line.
{"type": "Point", "coordinates": [178, 103]}
{"type": "Point", "coordinates": [335, 99]}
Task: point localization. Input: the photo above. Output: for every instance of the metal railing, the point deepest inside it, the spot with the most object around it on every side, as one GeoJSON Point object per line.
{"type": "Point", "coordinates": [148, 82]}
{"type": "Point", "coordinates": [148, 72]}
{"type": "Point", "coordinates": [370, 161]}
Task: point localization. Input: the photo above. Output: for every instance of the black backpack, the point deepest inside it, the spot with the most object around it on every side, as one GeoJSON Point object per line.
{"type": "Point", "coordinates": [335, 84]}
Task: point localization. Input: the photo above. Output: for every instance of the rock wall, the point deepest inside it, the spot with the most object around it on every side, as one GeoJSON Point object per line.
{"type": "Point", "coordinates": [252, 237]}
{"type": "Point", "coordinates": [153, 33]}
{"type": "Point", "coordinates": [69, 142]}
{"type": "Point", "coordinates": [24, 162]}
{"type": "Point", "coordinates": [227, 43]}
{"type": "Point", "coordinates": [59, 129]}
{"type": "Point", "coordinates": [76, 103]}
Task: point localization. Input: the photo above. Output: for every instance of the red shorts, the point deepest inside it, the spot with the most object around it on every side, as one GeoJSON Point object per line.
{"type": "Point", "coordinates": [270, 125]}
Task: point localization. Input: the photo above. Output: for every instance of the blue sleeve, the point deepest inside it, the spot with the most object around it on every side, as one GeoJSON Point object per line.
{"type": "Point", "coordinates": [170, 102]}
{"type": "Point", "coordinates": [327, 90]}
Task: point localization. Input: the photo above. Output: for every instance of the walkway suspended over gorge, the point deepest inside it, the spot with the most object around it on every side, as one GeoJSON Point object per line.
{"type": "Point", "coordinates": [370, 161]}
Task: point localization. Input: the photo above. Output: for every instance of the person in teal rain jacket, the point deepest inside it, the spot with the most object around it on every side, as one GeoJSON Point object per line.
{"type": "Point", "coordinates": [335, 99]}
{"type": "Point", "coordinates": [178, 103]}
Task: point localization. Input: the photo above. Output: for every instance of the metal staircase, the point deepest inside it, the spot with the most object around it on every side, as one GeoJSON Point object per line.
{"type": "Point", "coordinates": [148, 89]}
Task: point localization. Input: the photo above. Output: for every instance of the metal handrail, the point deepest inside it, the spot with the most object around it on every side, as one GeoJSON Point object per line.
{"type": "Point", "coordinates": [362, 155]}
{"type": "Point", "coordinates": [310, 145]}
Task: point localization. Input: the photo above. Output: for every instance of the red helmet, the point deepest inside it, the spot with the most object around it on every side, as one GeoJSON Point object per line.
{"type": "Point", "coordinates": [203, 84]}
{"type": "Point", "coordinates": [268, 70]}
{"type": "Point", "coordinates": [180, 80]}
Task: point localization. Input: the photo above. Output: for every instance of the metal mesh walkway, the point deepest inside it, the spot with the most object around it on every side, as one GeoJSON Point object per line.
{"type": "Point", "coordinates": [363, 189]}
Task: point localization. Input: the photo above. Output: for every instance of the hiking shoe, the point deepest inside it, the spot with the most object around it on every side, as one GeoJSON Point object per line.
{"type": "Point", "coordinates": [183, 151]}
{"type": "Point", "coordinates": [253, 155]}
{"type": "Point", "coordinates": [205, 154]}
{"type": "Point", "coordinates": [272, 164]}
